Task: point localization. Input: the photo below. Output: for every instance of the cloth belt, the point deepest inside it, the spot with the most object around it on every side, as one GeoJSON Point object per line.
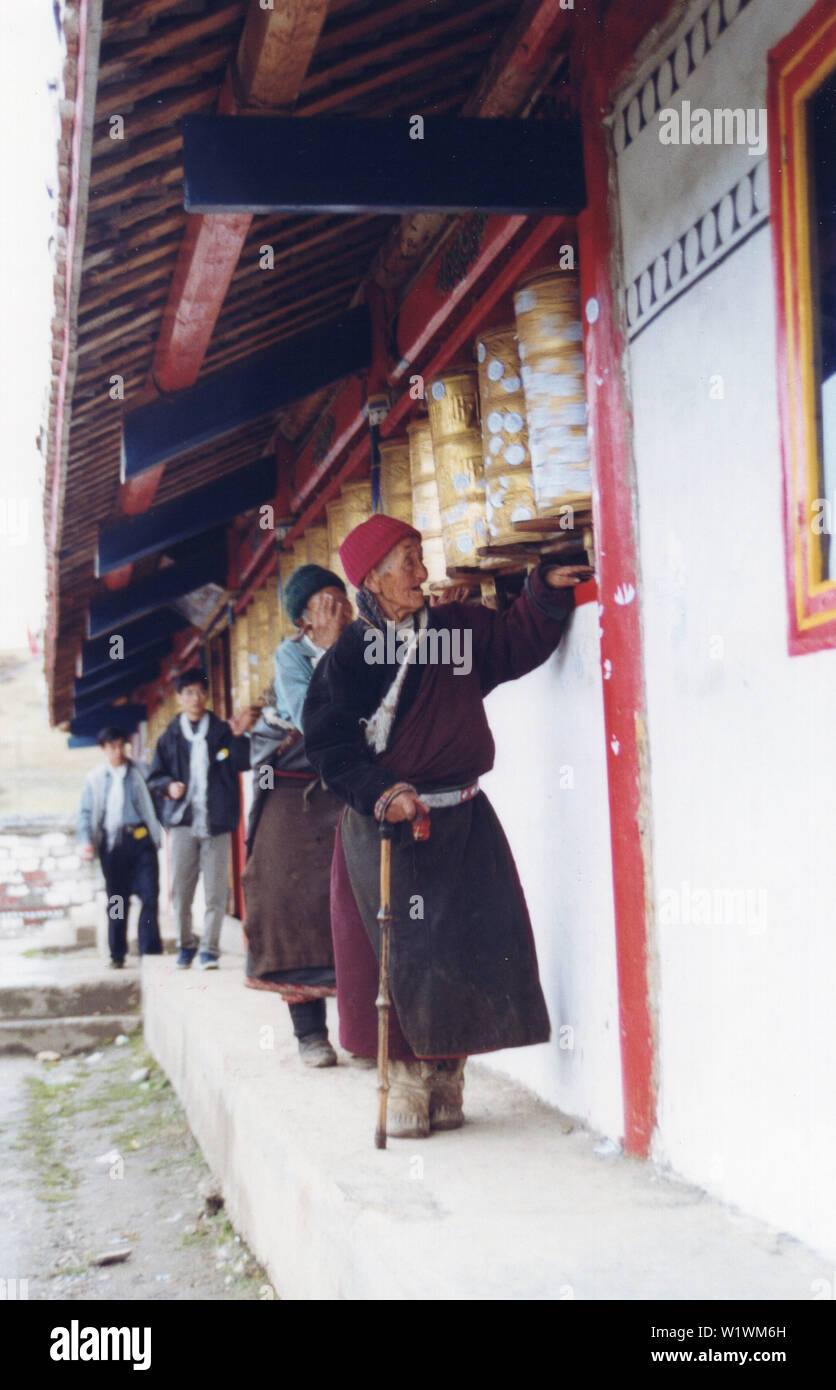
{"type": "Point", "coordinates": [435, 800]}
{"type": "Point", "coordinates": [453, 796]}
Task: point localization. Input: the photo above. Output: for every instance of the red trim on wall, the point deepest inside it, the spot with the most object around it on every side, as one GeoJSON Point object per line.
{"type": "Point", "coordinates": [790, 68]}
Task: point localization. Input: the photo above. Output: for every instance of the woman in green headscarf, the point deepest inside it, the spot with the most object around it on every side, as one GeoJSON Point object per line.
{"type": "Point", "coordinates": [290, 835]}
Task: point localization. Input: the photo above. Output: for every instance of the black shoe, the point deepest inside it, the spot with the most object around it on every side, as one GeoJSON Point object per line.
{"type": "Point", "coordinates": [117, 964]}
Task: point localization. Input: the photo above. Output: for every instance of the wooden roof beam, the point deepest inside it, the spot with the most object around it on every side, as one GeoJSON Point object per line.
{"type": "Point", "coordinates": [120, 677]}
{"type": "Point", "coordinates": [275, 49]}
{"type": "Point", "coordinates": [349, 164]}
{"type": "Point", "coordinates": [85, 726]}
{"type": "Point", "coordinates": [109, 612]}
{"type": "Point", "coordinates": [191, 515]}
{"type": "Point", "coordinates": [253, 388]}
{"type": "Point", "coordinates": [520, 64]}
{"type": "Point", "coordinates": [142, 636]}
{"type": "Point", "coordinates": [273, 55]}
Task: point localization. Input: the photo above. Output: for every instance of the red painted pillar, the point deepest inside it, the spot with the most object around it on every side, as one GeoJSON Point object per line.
{"type": "Point", "coordinates": [619, 586]}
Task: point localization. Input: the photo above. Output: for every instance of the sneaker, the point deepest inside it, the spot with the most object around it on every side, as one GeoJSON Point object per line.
{"type": "Point", "coordinates": [316, 1051]}
{"type": "Point", "coordinates": [185, 956]}
{"type": "Point", "coordinates": [208, 960]}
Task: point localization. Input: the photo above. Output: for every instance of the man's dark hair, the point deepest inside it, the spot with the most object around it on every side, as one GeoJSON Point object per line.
{"type": "Point", "coordinates": [110, 734]}
{"type": "Point", "coordinates": [193, 677]}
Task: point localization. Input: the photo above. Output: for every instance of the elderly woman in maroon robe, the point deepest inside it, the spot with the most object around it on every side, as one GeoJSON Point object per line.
{"type": "Point", "coordinates": [291, 826]}
{"type": "Point", "coordinates": [395, 723]}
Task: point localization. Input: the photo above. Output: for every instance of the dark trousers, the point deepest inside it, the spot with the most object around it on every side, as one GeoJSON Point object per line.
{"type": "Point", "coordinates": [131, 868]}
{"type": "Point", "coordinates": [308, 1017]}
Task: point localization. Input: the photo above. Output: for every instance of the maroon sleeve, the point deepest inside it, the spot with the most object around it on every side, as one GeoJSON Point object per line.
{"type": "Point", "coordinates": [507, 645]}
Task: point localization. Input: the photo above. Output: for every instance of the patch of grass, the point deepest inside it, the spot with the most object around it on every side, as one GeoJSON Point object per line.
{"type": "Point", "coordinates": [218, 1234]}
{"type": "Point", "coordinates": [44, 1093]}
{"type": "Point", "coordinates": [116, 1091]}
{"type": "Point", "coordinates": [195, 1237]}
{"type": "Point", "coordinates": [46, 1105]}
{"type": "Point", "coordinates": [146, 1125]}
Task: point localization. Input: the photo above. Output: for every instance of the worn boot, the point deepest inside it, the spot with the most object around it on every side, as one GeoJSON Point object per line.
{"type": "Point", "coordinates": [408, 1110]}
{"type": "Point", "coordinates": [446, 1090]}
{"type": "Point", "coordinates": [311, 1031]}
{"type": "Point", "coordinates": [316, 1051]}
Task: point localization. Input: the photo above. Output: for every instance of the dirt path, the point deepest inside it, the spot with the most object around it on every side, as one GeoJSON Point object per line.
{"type": "Point", "coordinates": [97, 1160]}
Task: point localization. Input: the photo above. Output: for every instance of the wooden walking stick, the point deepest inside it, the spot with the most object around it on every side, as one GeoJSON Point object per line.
{"type": "Point", "coordinates": [384, 917]}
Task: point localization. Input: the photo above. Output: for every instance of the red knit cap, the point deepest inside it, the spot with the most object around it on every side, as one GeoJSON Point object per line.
{"type": "Point", "coordinates": [366, 545]}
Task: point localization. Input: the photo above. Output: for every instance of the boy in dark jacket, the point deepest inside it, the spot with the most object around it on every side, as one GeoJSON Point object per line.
{"type": "Point", "coordinates": [117, 821]}
{"type": "Point", "coordinates": [194, 776]}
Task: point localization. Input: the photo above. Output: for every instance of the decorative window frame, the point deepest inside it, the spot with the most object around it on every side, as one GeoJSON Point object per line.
{"type": "Point", "coordinates": [798, 65]}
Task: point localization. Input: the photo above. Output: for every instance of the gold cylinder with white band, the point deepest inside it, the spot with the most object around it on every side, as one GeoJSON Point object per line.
{"type": "Point", "coordinates": [459, 467]}
{"type": "Point", "coordinates": [548, 318]}
{"type": "Point", "coordinates": [509, 487]}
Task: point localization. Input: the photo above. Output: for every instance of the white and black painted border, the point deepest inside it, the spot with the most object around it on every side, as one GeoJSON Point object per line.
{"type": "Point", "coordinates": [636, 112]}
{"type": "Point", "coordinates": [715, 234]}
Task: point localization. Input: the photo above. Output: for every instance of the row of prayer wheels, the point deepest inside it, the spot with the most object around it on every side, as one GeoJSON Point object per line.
{"type": "Point", "coordinates": [509, 438]}
{"type": "Point", "coordinates": [503, 442]}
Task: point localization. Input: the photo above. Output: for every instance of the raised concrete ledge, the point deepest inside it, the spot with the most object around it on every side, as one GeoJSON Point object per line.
{"type": "Point", "coordinates": [30, 1036]}
{"type": "Point", "coordinates": [66, 987]}
{"type": "Point", "coordinates": [510, 1207]}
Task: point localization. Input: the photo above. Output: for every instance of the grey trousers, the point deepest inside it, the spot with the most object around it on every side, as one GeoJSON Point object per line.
{"type": "Point", "coordinates": [191, 857]}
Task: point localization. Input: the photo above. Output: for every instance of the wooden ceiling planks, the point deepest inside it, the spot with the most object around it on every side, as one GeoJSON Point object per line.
{"type": "Point", "coordinates": [161, 60]}
{"type": "Point", "coordinates": [380, 57]}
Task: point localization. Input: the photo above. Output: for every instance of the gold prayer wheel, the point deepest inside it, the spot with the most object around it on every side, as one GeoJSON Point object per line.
{"type": "Point", "coordinates": [266, 607]}
{"type": "Point", "coordinates": [509, 488]}
{"type": "Point", "coordinates": [426, 512]}
{"type": "Point", "coordinates": [548, 315]}
{"type": "Point", "coordinates": [255, 635]}
{"type": "Point", "coordinates": [395, 480]}
{"type": "Point", "coordinates": [287, 564]}
{"type": "Point", "coordinates": [357, 507]}
{"type": "Point", "coordinates": [357, 504]}
{"type": "Point", "coordinates": [336, 535]}
{"type": "Point", "coordinates": [239, 642]}
{"type": "Point", "coordinates": [459, 467]}
{"type": "Point", "coordinates": [421, 457]}
{"type": "Point", "coordinates": [274, 623]}
{"type": "Point", "coordinates": [317, 540]}
{"type": "Point", "coordinates": [432, 553]}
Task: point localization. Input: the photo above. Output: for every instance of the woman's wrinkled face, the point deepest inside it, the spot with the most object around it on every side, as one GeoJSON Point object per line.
{"type": "Point", "coordinates": [396, 583]}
